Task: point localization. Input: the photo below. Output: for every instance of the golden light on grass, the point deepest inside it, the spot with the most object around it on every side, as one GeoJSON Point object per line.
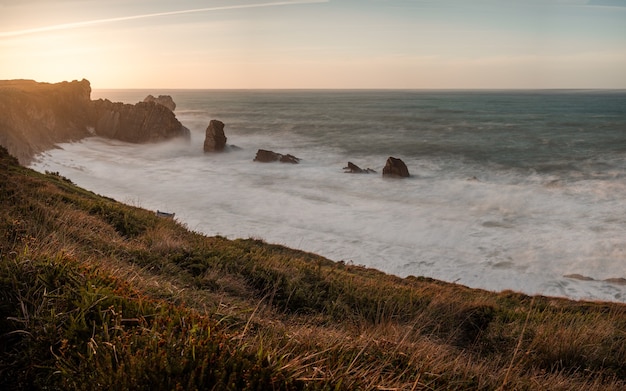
{"type": "Point", "coordinates": [96, 292]}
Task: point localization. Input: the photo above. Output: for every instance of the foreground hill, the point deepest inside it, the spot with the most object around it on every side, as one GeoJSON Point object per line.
{"type": "Point", "coordinates": [95, 294]}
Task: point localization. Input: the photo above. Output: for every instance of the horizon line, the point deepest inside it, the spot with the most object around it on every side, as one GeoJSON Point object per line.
{"type": "Point", "coordinates": [371, 88]}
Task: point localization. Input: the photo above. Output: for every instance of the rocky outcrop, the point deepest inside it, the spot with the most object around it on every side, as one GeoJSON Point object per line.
{"type": "Point", "coordinates": [395, 168]}
{"type": "Point", "coordinates": [215, 139]}
{"type": "Point", "coordinates": [613, 280]}
{"type": "Point", "coordinates": [354, 169]}
{"type": "Point", "coordinates": [265, 156]}
{"type": "Point", "coordinates": [138, 123]}
{"type": "Point", "coordinates": [36, 116]}
{"type": "Point", "coordinates": [163, 100]}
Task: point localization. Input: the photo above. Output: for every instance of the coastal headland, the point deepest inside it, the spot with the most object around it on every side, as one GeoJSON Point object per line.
{"type": "Point", "coordinates": [37, 116]}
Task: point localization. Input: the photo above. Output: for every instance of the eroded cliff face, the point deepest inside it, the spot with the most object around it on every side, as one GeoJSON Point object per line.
{"type": "Point", "coordinates": [138, 123]}
{"type": "Point", "coordinates": [164, 100]}
{"type": "Point", "coordinates": [34, 117]}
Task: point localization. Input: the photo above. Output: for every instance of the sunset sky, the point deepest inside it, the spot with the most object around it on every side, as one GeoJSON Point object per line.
{"type": "Point", "coordinates": [316, 43]}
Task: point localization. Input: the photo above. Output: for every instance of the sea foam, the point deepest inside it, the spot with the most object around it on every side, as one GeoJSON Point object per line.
{"type": "Point", "coordinates": [476, 222]}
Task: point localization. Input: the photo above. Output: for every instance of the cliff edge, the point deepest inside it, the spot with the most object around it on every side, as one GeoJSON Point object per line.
{"type": "Point", "coordinates": [37, 116]}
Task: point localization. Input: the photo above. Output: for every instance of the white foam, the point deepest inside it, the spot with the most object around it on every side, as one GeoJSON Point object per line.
{"type": "Point", "coordinates": [505, 230]}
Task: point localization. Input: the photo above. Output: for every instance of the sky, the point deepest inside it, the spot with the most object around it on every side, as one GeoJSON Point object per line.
{"type": "Point", "coordinates": [394, 44]}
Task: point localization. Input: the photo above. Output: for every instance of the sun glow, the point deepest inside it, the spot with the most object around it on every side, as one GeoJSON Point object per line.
{"type": "Point", "coordinates": [66, 26]}
{"type": "Point", "coordinates": [316, 44]}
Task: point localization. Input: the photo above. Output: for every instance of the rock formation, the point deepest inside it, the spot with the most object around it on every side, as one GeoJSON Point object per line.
{"type": "Point", "coordinates": [215, 139]}
{"type": "Point", "coordinates": [395, 168]}
{"type": "Point", "coordinates": [265, 156]}
{"type": "Point", "coordinates": [36, 116]}
{"type": "Point", "coordinates": [613, 280]}
{"type": "Point", "coordinates": [354, 169]}
{"type": "Point", "coordinates": [616, 280]}
{"type": "Point", "coordinates": [164, 100]}
{"type": "Point", "coordinates": [138, 123]}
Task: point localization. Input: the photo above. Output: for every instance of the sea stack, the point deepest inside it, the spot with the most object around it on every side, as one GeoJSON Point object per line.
{"type": "Point", "coordinates": [215, 139]}
{"type": "Point", "coordinates": [37, 116]}
{"type": "Point", "coordinates": [395, 168]}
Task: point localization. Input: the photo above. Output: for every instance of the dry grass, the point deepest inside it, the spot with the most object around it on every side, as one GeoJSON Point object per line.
{"type": "Point", "coordinates": [97, 293]}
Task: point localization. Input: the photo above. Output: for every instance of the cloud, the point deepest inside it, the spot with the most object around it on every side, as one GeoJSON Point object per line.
{"type": "Point", "coordinates": [74, 25]}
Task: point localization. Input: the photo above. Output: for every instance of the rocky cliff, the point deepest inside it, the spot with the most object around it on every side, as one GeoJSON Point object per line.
{"type": "Point", "coordinates": [164, 100]}
{"type": "Point", "coordinates": [36, 116]}
{"type": "Point", "coordinates": [138, 123]}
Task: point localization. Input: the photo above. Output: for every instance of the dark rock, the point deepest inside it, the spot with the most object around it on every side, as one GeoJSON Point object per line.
{"type": "Point", "coordinates": [215, 139]}
{"type": "Point", "coordinates": [289, 159]}
{"type": "Point", "coordinates": [138, 123]}
{"type": "Point", "coordinates": [265, 156]}
{"type": "Point", "coordinates": [354, 169]}
{"type": "Point", "coordinates": [616, 280]}
{"type": "Point", "coordinates": [164, 100]}
{"type": "Point", "coordinates": [395, 168]}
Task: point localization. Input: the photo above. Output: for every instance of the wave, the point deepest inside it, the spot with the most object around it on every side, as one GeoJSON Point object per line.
{"type": "Point", "coordinates": [482, 222]}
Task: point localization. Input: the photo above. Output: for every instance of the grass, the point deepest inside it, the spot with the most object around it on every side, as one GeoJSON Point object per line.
{"type": "Point", "coordinates": [96, 294]}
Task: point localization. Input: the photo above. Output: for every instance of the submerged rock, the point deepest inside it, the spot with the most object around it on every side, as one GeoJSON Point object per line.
{"type": "Point", "coordinates": [395, 168]}
{"type": "Point", "coordinates": [580, 277]}
{"type": "Point", "coordinates": [163, 100]}
{"type": "Point", "coordinates": [354, 169]}
{"type": "Point", "coordinates": [215, 139]}
{"type": "Point", "coordinates": [265, 156]}
{"type": "Point", "coordinates": [616, 280]}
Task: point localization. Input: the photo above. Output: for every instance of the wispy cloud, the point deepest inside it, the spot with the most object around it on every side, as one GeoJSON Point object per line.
{"type": "Point", "coordinates": [87, 23]}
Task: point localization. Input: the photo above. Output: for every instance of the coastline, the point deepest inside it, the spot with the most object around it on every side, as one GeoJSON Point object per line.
{"type": "Point", "coordinates": [262, 315]}
{"type": "Point", "coordinates": [374, 244]}
{"type": "Point", "coordinates": [38, 116]}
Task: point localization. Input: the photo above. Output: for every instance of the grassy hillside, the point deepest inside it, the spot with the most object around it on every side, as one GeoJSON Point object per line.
{"type": "Point", "coordinates": [98, 295]}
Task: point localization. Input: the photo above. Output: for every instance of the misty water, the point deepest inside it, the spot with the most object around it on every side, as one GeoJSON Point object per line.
{"type": "Point", "coordinates": [509, 190]}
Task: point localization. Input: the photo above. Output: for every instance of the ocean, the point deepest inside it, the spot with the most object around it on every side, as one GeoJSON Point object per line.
{"type": "Point", "coordinates": [509, 190]}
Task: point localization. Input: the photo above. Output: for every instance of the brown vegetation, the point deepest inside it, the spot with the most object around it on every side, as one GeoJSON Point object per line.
{"type": "Point", "coordinates": [96, 294]}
